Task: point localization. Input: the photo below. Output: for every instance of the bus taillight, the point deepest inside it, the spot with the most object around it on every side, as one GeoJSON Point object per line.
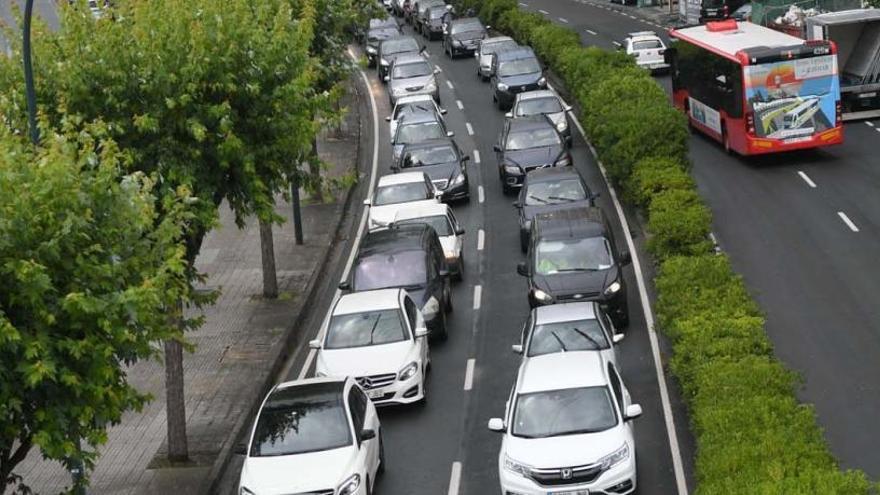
{"type": "Point", "coordinates": [838, 111]}
{"type": "Point", "coordinates": [750, 123]}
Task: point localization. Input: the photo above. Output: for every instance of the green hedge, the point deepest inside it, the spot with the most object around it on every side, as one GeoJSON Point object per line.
{"type": "Point", "coordinates": [753, 437]}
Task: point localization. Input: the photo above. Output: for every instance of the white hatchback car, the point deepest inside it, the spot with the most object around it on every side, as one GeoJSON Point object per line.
{"type": "Point", "coordinates": [379, 337]}
{"type": "Point", "coordinates": [568, 327]}
{"type": "Point", "coordinates": [320, 435]}
{"type": "Point", "coordinates": [647, 48]}
{"type": "Point", "coordinates": [568, 428]}
{"type": "Point", "coordinates": [408, 105]}
{"type": "Point", "coordinates": [398, 190]}
{"type": "Point", "coordinates": [440, 217]}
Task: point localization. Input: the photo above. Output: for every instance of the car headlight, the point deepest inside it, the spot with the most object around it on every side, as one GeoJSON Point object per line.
{"type": "Point", "coordinates": [542, 296]}
{"type": "Point", "coordinates": [384, 63]}
{"type": "Point", "coordinates": [350, 485]}
{"type": "Point", "coordinates": [371, 50]}
{"type": "Point", "coordinates": [502, 87]}
{"type": "Point", "coordinates": [398, 90]}
{"type": "Point", "coordinates": [459, 179]}
{"type": "Point", "coordinates": [562, 125]}
{"type": "Point", "coordinates": [431, 308]}
{"type": "Point", "coordinates": [612, 289]}
{"type": "Point", "coordinates": [512, 169]}
{"type": "Point", "coordinates": [244, 491]}
{"type": "Point", "coordinates": [408, 371]}
{"type": "Point", "coordinates": [615, 457]}
{"type": "Point", "coordinates": [450, 255]}
{"type": "Point", "coordinates": [431, 86]}
{"type": "Point", "coordinates": [456, 42]}
{"type": "Point", "coordinates": [563, 162]}
{"type": "Point", "coordinates": [542, 82]}
{"type": "Point", "coordinates": [516, 467]}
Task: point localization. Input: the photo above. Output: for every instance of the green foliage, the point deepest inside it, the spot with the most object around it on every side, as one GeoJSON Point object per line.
{"type": "Point", "coordinates": [652, 176]}
{"type": "Point", "coordinates": [679, 224]}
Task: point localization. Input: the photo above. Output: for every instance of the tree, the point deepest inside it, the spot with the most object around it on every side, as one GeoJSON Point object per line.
{"type": "Point", "coordinates": [89, 269]}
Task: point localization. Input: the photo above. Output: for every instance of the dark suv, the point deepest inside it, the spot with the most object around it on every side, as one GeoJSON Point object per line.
{"type": "Point", "coordinates": [410, 257]}
{"type": "Point", "coordinates": [513, 72]}
{"type": "Point", "coordinates": [572, 257]}
{"type": "Point", "coordinates": [463, 36]}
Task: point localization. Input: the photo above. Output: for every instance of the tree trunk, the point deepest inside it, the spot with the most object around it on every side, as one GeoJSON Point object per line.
{"type": "Point", "coordinates": [315, 171]}
{"type": "Point", "coordinates": [175, 407]}
{"type": "Point", "coordinates": [267, 250]}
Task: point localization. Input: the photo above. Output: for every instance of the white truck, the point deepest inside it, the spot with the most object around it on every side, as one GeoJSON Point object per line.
{"type": "Point", "coordinates": [857, 35]}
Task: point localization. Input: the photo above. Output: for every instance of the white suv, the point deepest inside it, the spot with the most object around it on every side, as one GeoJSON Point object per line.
{"type": "Point", "coordinates": [567, 428]}
{"type": "Point", "coordinates": [647, 49]}
{"type": "Point", "coordinates": [320, 435]}
{"type": "Point", "coordinates": [380, 338]}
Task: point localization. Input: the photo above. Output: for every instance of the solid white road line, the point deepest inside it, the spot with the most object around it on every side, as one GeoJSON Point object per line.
{"type": "Point", "coordinates": [449, 83]}
{"type": "Point", "coordinates": [563, 20]}
{"type": "Point", "coordinates": [469, 374]}
{"type": "Point", "coordinates": [477, 157]}
{"type": "Point", "coordinates": [454, 478]}
{"type": "Point", "coordinates": [592, 32]}
{"type": "Point", "coordinates": [361, 227]}
{"type": "Point", "coordinates": [807, 179]}
{"type": "Point", "coordinates": [481, 239]}
{"type": "Point", "coordinates": [469, 128]}
{"type": "Point", "coordinates": [849, 223]}
{"type": "Point", "coordinates": [482, 197]}
{"type": "Point", "coordinates": [459, 104]}
{"type": "Point", "coordinates": [544, 12]}
{"type": "Point", "coordinates": [478, 296]}
{"type": "Point", "coordinates": [669, 419]}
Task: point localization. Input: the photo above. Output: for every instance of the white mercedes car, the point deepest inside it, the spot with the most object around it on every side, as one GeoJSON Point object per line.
{"type": "Point", "coordinates": [398, 190]}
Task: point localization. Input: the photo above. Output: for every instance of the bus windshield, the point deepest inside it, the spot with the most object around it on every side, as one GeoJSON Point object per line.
{"type": "Point", "coordinates": [793, 99]}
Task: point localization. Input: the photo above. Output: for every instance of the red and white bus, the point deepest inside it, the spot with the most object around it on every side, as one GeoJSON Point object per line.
{"type": "Point", "coordinates": [757, 90]}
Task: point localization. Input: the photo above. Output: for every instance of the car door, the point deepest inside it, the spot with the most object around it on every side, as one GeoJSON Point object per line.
{"type": "Point", "coordinates": [362, 417]}
{"type": "Point", "coordinates": [416, 321]}
{"type": "Point", "coordinates": [621, 394]}
{"type": "Point", "coordinates": [527, 332]}
{"type": "Point", "coordinates": [459, 239]}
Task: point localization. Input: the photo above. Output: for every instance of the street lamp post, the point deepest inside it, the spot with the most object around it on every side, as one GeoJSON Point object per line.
{"type": "Point", "coordinates": [30, 93]}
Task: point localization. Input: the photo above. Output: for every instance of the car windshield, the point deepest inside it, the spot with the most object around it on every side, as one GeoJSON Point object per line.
{"type": "Point", "coordinates": [401, 193]}
{"type": "Point", "coordinates": [399, 46]}
{"type": "Point", "coordinates": [437, 13]}
{"type": "Point", "coordinates": [298, 425]}
{"type": "Point", "coordinates": [363, 329]}
{"type": "Point", "coordinates": [382, 34]}
{"type": "Point", "coordinates": [572, 255]}
{"type": "Point", "coordinates": [646, 45]}
{"type": "Point", "coordinates": [404, 71]}
{"type": "Point", "coordinates": [405, 109]}
{"type": "Point", "coordinates": [429, 156]}
{"type": "Point", "coordinates": [567, 336]}
{"type": "Point", "coordinates": [382, 271]}
{"type": "Point", "coordinates": [414, 133]}
{"type": "Point", "coordinates": [440, 223]}
{"type": "Point", "coordinates": [466, 27]}
{"type": "Point", "coordinates": [538, 106]}
{"type": "Point", "coordinates": [535, 138]}
{"type": "Point", "coordinates": [569, 411]}
{"type": "Point", "coordinates": [554, 192]}
{"type": "Point", "coordinates": [497, 46]}
{"type": "Point", "coordinates": [519, 67]}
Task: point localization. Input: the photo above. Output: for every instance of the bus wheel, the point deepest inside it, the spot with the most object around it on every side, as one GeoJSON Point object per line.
{"type": "Point", "coordinates": [726, 139]}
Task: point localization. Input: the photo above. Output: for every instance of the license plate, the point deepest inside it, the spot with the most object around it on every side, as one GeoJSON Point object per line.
{"type": "Point", "coordinates": [375, 394]}
{"type": "Point", "coordinates": [571, 492]}
{"type": "Point", "coordinates": [797, 139]}
{"type": "Point", "coordinates": [868, 95]}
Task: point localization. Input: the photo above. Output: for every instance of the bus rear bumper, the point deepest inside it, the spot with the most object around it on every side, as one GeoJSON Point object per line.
{"type": "Point", "coordinates": [759, 146]}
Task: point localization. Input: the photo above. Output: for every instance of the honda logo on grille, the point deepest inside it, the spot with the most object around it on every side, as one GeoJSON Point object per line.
{"type": "Point", "coordinates": [566, 473]}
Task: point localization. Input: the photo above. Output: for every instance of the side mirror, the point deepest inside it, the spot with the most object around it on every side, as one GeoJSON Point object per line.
{"type": "Point", "coordinates": [466, 158]}
{"type": "Point", "coordinates": [625, 258]}
{"type": "Point", "coordinates": [421, 332]}
{"type": "Point", "coordinates": [367, 434]}
{"type": "Point", "coordinates": [497, 148]}
{"type": "Point", "coordinates": [395, 168]}
{"type": "Point", "coordinates": [523, 269]}
{"type": "Point", "coordinates": [422, 49]}
{"type": "Point", "coordinates": [386, 78]}
{"type": "Point", "coordinates": [618, 338]}
{"type": "Point", "coordinates": [488, 27]}
{"type": "Point", "coordinates": [345, 285]}
{"type": "Point", "coordinates": [450, 133]}
{"type": "Point", "coordinates": [442, 111]}
{"type": "Point", "coordinates": [436, 70]}
{"type": "Point", "coordinates": [517, 204]}
{"type": "Point", "coordinates": [509, 115]}
{"type": "Point", "coordinates": [568, 108]}
{"type": "Point", "coordinates": [459, 231]}
{"type": "Point", "coordinates": [633, 411]}
{"type": "Point", "coordinates": [517, 348]}
{"type": "Point", "coordinates": [387, 118]}
{"type": "Point", "coordinates": [315, 344]}
{"type": "Point", "coordinates": [496, 424]}
{"type": "Point", "coordinates": [367, 202]}
{"type": "Point", "coordinates": [240, 449]}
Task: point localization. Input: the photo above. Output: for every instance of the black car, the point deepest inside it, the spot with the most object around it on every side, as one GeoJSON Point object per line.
{"type": "Point", "coordinates": [444, 163]}
{"type": "Point", "coordinates": [431, 25]}
{"type": "Point", "coordinates": [463, 36]}
{"type": "Point", "coordinates": [379, 31]}
{"type": "Point", "coordinates": [418, 6]}
{"type": "Point", "coordinates": [717, 10]}
{"type": "Point", "coordinates": [515, 71]}
{"type": "Point", "coordinates": [392, 48]}
{"type": "Point", "coordinates": [527, 144]}
{"type": "Point", "coordinates": [550, 189]}
{"type": "Point", "coordinates": [409, 257]}
{"type": "Point", "coordinates": [417, 128]}
{"type": "Point", "coordinates": [572, 257]}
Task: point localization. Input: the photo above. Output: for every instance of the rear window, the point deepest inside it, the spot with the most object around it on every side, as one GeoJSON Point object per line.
{"type": "Point", "coordinates": [567, 336]}
{"type": "Point", "coordinates": [382, 271]}
{"type": "Point", "coordinates": [440, 223]}
{"type": "Point", "coordinates": [647, 45]}
{"type": "Point", "coordinates": [401, 193]}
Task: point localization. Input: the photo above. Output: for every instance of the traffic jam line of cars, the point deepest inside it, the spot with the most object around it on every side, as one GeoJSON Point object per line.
{"type": "Point", "coordinates": [567, 427]}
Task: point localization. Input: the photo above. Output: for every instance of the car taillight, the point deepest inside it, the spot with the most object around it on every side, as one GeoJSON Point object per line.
{"type": "Point", "coordinates": [661, 51]}
{"type": "Point", "coordinates": [750, 123]}
{"type": "Point", "coordinates": [726, 11]}
{"type": "Point", "coordinates": [838, 112]}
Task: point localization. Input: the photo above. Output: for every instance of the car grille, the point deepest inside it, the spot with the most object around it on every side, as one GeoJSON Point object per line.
{"type": "Point", "coordinates": [319, 492]}
{"type": "Point", "coordinates": [414, 88]}
{"type": "Point", "coordinates": [375, 381]}
{"type": "Point", "coordinates": [525, 87]}
{"type": "Point", "coordinates": [536, 167]}
{"type": "Point", "coordinates": [441, 184]}
{"type": "Point", "coordinates": [566, 476]}
{"type": "Point", "coordinates": [580, 296]}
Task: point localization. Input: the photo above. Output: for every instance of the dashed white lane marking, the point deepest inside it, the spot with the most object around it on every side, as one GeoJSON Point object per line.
{"type": "Point", "coordinates": [438, 68]}
{"type": "Point", "coordinates": [869, 123]}
{"type": "Point", "coordinates": [478, 295]}
{"type": "Point", "coordinates": [592, 32]}
{"type": "Point", "coordinates": [481, 239]}
{"type": "Point", "coordinates": [544, 12]}
{"type": "Point", "coordinates": [616, 43]}
{"type": "Point", "coordinates": [454, 478]}
{"type": "Point", "coordinates": [632, 16]}
{"type": "Point", "coordinates": [807, 179]}
{"type": "Point", "coordinates": [449, 83]}
{"type": "Point", "coordinates": [459, 104]}
{"type": "Point", "coordinates": [427, 54]}
{"type": "Point", "coordinates": [563, 20]}
{"type": "Point", "coordinates": [477, 157]}
{"type": "Point", "coordinates": [469, 128]}
{"type": "Point", "coordinates": [469, 374]}
{"type": "Point", "coordinates": [523, 4]}
{"type": "Point", "coordinates": [849, 223]}
{"type": "Point", "coordinates": [482, 197]}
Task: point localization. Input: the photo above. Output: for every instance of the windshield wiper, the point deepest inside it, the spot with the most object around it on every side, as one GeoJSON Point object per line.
{"type": "Point", "coordinates": [538, 199]}
{"type": "Point", "coordinates": [563, 270]}
{"type": "Point", "coordinates": [561, 343]}
{"type": "Point", "coordinates": [576, 432]}
{"type": "Point", "coordinates": [560, 198]}
{"type": "Point", "coordinates": [375, 325]}
{"type": "Point", "coordinates": [591, 339]}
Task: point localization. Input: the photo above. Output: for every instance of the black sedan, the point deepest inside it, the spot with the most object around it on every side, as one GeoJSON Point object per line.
{"type": "Point", "coordinates": [550, 189]}
{"type": "Point", "coordinates": [463, 36]}
{"type": "Point", "coordinates": [444, 163]}
{"type": "Point", "coordinates": [527, 144]}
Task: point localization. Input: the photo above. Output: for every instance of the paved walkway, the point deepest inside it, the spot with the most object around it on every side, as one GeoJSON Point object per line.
{"type": "Point", "coordinates": [241, 341]}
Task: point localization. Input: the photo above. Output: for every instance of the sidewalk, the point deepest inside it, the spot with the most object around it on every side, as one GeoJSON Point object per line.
{"type": "Point", "coordinates": [242, 341]}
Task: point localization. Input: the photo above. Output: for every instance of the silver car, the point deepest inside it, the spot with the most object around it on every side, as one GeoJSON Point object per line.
{"type": "Point", "coordinates": [543, 102]}
{"type": "Point", "coordinates": [488, 48]}
{"type": "Point", "coordinates": [412, 75]}
{"type": "Point", "coordinates": [568, 327]}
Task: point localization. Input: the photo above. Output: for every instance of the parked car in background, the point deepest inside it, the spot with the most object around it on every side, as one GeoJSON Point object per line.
{"type": "Point", "coordinates": [319, 435]}
{"type": "Point", "coordinates": [431, 26]}
{"type": "Point", "coordinates": [647, 49]}
{"type": "Point", "coordinates": [546, 190]}
{"type": "Point", "coordinates": [412, 75]}
{"type": "Point", "coordinates": [486, 53]}
{"type": "Point", "coordinates": [409, 257]}
{"type": "Point", "coordinates": [410, 105]}
{"type": "Point", "coordinates": [417, 7]}
{"type": "Point", "coordinates": [392, 191]}
{"type": "Point", "coordinates": [527, 144]}
{"type": "Point", "coordinates": [568, 327]}
{"type": "Point", "coordinates": [417, 128]}
{"type": "Point", "coordinates": [513, 72]}
{"type": "Point", "coordinates": [572, 256]}
{"type": "Point", "coordinates": [743, 13]}
{"type": "Point", "coordinates": [449, 231]}
{"type": "Point", "coordinates": [444, 163]}
{"type": "Point", "coordinates": [392, 49]}
{"type": "Point", "coordinates": [379, 31]}
{"type": "Point", "coordinates": [543, 102]}
{"type": "Point", "coordinates": [378, 337]}
{"type": "Point", "coordinates": [463, 36]}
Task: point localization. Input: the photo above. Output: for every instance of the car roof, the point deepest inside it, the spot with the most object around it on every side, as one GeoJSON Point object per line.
{"type": "Point", "coordinates": [643, 35]}
{"type": "Point", "coordinates": [553, 313]}
{"type": "Point", "coordinates": [530, 122]}
{"type": "Point", "coordinates": [429, 143]}
{"type": "Point", "coordinates": [409, 59]}
{"type": "Point", "coordinates": [538, 93]}
{"type": "Point", "coordinates": [566, 223]}
{"type": "Point", "coordinates": [397, 239]}
{"type": "Point", "coordinates": [552, 174]}
{"type": "Point", "coordinates": [420, 210]}
{"type": "Point", "coordinates": [515, 53]}
{"type": "Point", "coordinates": [561, 370]}
{"type": "Point", "coordinates": [401, 178]}
{"type": "Point", "coordinates": [370, 300]}
{"type": "Point", "coordinates": [414, 99]}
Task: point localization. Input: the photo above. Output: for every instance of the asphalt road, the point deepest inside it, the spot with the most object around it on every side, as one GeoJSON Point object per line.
{"type": "Point", "coordinates": [783, 221]}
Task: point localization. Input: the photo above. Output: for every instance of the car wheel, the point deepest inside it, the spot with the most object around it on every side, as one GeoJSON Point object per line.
{"type": "Point", "coordinates": [621, 322]}
{"type": "Point", "coordinates": [381, 468]}
{"type": "Point", "coordinates": [460, 274]}
{"type": "Point", "coordinates": [726, 140]}
{"type": "Point", "coordinates": [369, 488]}
{"type": "Point", "coordinates": [442, 331]}
{"type": "Point", "coordinates": [523, 242]}
{"type": "Point", "coordinates": [448, 307]}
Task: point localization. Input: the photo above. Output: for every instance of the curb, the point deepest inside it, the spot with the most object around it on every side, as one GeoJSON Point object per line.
{"type": "Point", "coordinates": [291, 337]}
